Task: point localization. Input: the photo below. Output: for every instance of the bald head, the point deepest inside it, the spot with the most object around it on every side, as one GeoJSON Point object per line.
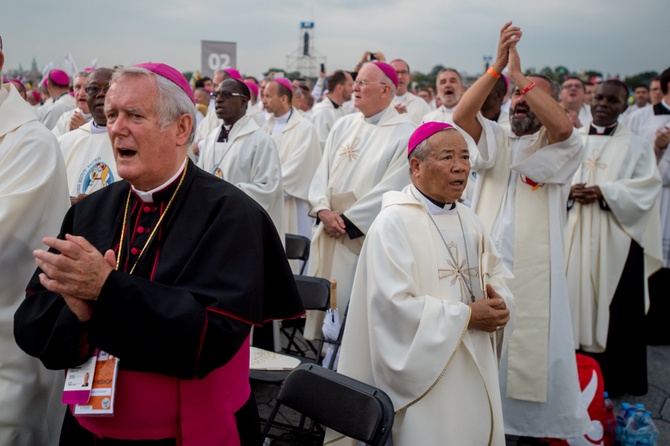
{"type": "Point", "coordinates": [373, 90]}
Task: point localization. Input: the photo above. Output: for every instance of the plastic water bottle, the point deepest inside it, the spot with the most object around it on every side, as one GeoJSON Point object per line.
{"type": "Point", "coordinates": [621, 419]}
{"type": "Point", "coordinates": [641, 429]}
{"type": "Point", "coordinates": [610, 424]}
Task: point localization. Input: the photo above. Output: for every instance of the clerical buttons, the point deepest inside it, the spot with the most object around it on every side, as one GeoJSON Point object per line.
{"type": "Point", "coordinates": [140, 230]}
{"type": "Point", "coordinates": [147, 209]}
{"type": "Point", "coordinates": [134, 251]}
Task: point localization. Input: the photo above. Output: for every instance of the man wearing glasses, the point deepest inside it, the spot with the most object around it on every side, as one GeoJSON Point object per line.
{"type": "Point", "coordinates": [363, 158]}
{"type": "Point", "coordinates": [573, 100]}
{"type": "Point", "coordinates": [89, 158]}
{"type": "Point", "coordinates": [241, 153]}
{"type": "Point", "coordinates": [404, 100]}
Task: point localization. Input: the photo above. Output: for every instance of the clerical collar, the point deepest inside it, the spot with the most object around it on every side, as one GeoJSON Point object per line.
{"type": "Point", "coordinates": [374, 119]}
{"type": "Point", "coordinates": [148, 197]}
{"type": "Point", "coordinates": [438, 204]}
{"type": "Point", "coordinates": [335, 104]}
{"type": "Point", "coordinates": [662, 108]}
{"type": "Point", "coordinates": [603, 131]}
{"type": "Point", "coordinates": [60, 96]}
{"type": "Point", "coordinates": [283, 119]}
{"type": "Point", "coordinates": [400, 99]}
{"type": "Point", "coordinates": [97, 129]}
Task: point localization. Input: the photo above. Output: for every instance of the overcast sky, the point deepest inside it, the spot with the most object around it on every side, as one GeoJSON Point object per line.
{"type": "Point", "coordinates": [621, 37]}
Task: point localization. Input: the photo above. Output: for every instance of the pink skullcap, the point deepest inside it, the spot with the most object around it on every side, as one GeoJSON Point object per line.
{"type": "Point", "coordinates": [389, 71]}
{"type": "Point", "coordinates": [232, 72]}
{"type": "Point", "coordinates": [18, 81]}
{"type": "Point", "coordinates": [59, 77]}
{"type": "Point", "coordinates": [36, 95]}
{"type": "Point", "coordinates": [5, 80]}
{"type": "Point", "coordinates": [425, 131]}
{"type": "Point", "coordinates": [253, 87]}
{"type": "Point", "coordinates": [285, 82]}
{"type": "Point", "coordinates": [171, 74]}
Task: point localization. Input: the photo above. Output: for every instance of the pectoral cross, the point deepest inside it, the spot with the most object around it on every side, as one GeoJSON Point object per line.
{"type": "Point", "coordinates": [591, 164]}
{"type": "Point", "coordinates": [457, 271]}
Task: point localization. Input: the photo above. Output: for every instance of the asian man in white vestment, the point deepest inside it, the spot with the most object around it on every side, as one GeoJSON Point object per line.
{"type": "Point", "coordinates": [33, 200]}
{"type": "Point", "coordinates": [524, 176]}
{"type": "Point", "coordinates": [613, 243]}
{"type": "Point", "coordinates": [89, 158]}
{"type": "Point", "coordinates": [431, 303]}
{"type": "Point", "coordinates": [364, 157]}
{"type": "Point", "coordinates": [299, 153]}
{"type": "Point", "coordinates": [242, 154]}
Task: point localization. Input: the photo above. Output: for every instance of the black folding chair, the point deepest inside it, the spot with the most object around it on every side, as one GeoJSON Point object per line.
{"type": "Point", "coordinates": [315, 295]}
{"type": "Point", "coordinates": [332, 400]}
{"type": "Point", "coordinates": [297, 248]}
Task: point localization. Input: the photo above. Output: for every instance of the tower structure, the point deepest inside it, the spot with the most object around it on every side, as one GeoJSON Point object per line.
{"type": "Point", "coordinates": [306, 58]}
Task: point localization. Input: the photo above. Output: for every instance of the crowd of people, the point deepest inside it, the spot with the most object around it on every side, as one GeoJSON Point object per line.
{"type": "Point", "coordinates": [482, 237]}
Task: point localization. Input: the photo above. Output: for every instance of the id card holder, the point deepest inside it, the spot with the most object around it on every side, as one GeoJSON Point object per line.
{"type": "Point", "coordinates": [78, 381]}
{"type": "Point", "coordinates": [103, 388]}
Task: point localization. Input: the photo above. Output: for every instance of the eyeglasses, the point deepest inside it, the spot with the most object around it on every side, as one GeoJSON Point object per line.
{"type": "Point", "coordinates": [364, 83]}
{"type": "Point", "coordinates": [401, 72]}
{"type": "Point", "coordinates": [94, 91]}
{"type": "Point", "coordinates": [225, 95]}
{"type": "Point", "coordinates": [569, 86]}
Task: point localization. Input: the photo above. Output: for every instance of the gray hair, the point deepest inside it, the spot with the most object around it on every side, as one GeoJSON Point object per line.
{"type": "Point", "coordinates": [83, 73]}
{"type": "Point", "coordinates": [387, 81]}
{"type": "Point", "coordinates": [172, 102]}
{"type": "Point", "coordinates": [422, 149]}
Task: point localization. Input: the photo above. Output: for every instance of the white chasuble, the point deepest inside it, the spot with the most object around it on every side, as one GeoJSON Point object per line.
{"type": "Point", "coordinates": [324, 116]}
{"type": "Point", "coordinates": [520, 195]}
{"type": "Point", "coordinates": [299, 156]}
{"type": "Point", "coordinates": [416, 107]}
{"type": "Point", "coordinates": [89, 160]}
{"type": "Point", "coordinates": [597, 241]}
{"type": "Point", "coordinates": [250, 161]}
{"type": "Point", "coordinates": [361, 162]}
{"type": "Point", "coordinates": [407, 329]}
{"type": "Point", "coordinates": [33, 201]}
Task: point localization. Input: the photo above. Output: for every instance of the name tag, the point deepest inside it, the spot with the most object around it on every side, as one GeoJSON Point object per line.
{"type": "Point", "coordinates": [100, 401]}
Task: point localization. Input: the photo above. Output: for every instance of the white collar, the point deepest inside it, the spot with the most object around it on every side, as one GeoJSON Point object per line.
{"type": "Point", "coordinates": [148, 197]}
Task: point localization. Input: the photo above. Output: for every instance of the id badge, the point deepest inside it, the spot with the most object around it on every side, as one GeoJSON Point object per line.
{"type": "Point", "coordinates": [103, 388]}
{"type": "Point", "coordinates": [78, 380]}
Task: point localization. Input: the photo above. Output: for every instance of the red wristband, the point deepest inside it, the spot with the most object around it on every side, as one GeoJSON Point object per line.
{"type": "Point", "coordinates": [528, 88]}
{"type": "Point", "coordinates": [493, 73]}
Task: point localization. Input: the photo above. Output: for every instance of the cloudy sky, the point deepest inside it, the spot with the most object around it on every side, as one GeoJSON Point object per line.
{"type": "Point", "coordinates": [612, 36]}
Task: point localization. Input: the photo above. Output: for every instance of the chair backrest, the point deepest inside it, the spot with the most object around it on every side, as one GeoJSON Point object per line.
{"type": "Point", "coordinates": [348, 406]}
{"type": "Point", "coordinates": [314, 292]}
{"type": "Point", "coordinates": [297, 248]}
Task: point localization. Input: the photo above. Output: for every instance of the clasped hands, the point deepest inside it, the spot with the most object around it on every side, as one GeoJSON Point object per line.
{"type": "Point", "coordinates": [77, 272]}
{"type": "Point", "coordinates": [489, 314]}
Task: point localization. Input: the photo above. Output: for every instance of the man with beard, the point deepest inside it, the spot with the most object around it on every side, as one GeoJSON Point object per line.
{"type": "Point", "coordinates": [449, 89]}
{"type": "Point", "coordinates": [241, 153]}
{"type": "Point", "coordinates": [524, 177]}
{"type": "Point", "coordinates": [89, 158]}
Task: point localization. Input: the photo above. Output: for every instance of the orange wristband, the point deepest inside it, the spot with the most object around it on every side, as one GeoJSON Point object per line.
{"type": "Point", "coordinates": [493, 73]}
{"type": "Point", "coordinates": [528, 88]}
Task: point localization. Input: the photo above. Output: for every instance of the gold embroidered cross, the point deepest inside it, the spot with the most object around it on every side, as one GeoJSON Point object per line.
{"type": "Point", "coordinates": [457, 271]}
{"type": "Point", "coordinates": [591, 164]}
{"type": "Point", "coordinates": [349, 151]}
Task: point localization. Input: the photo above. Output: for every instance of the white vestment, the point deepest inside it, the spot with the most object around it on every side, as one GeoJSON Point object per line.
{"type": "Point", "coordinates": [645, 123]}
{"type": "Point", "coordinates": [407, 332]}
{"type": "Point", "coordinates": [49, 115]}
{"type": "Point", "coordinates": [597, 241]}
{"type": "Point", "coordinates": [33, 201]}
{"type": "Point", "coordinates": [250, 161]}
{"type": "Point", "coordinates": [324, 115]}
{"type": "Point", "coordinates": [442, 114]}
{"type": "Point", "coordinates": [520, 195]}
{"type": "Point", "coordinates": [63, 124]}
{"type": "Point", "coordinates": [416, 107]}
{"type": "Point", "coordinates": [299, 156]}
{"type": "Point", "coordinates": [89, 160]}
{"type": "Point", "coordinates": [361, 162]}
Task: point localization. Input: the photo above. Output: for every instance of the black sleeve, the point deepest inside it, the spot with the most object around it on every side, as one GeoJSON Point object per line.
{"type": "Point", "coordinates": [352, 231]}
